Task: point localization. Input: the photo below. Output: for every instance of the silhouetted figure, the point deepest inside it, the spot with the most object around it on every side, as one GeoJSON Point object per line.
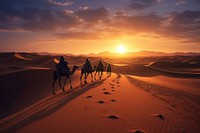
{"type": "Point", "coordinates": [87, 62]}
{"type": "Point", "coordinates": [62, 69]}
{"type": "Point", "coordinates": [100, 68]}
{"type": "Point", "coordinates": [63, 65]}
{"type": "Point", "coordinates": [109, 70]}
{"type": "Point", "coordinates": [86, 70]}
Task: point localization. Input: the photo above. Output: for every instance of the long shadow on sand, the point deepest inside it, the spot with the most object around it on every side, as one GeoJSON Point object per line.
{"type": "Point", "coordinates": [43, 108]}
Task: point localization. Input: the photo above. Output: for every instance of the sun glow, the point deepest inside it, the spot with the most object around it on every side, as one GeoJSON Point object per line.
{"type": "Point", "coordinates": [121, 49]}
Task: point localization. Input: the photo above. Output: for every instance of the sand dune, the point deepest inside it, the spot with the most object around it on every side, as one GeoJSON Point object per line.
{"type": "Point", "coordinates": [175, 66]}
{"type": "Point", "coordinates": [19, 56]}
{"type": "Point", "coordinates": [174, 92]}
{"type": "Point", "coordinates": [136, 98]}
{"type": "Point", "coordinates": [146, 71]}
{"type": "Point", "coordinates": [134, 110]}
{"type": "Point", "coordinates": [190, 85]}
{"type": "Point", "coordinates": [195, 60]}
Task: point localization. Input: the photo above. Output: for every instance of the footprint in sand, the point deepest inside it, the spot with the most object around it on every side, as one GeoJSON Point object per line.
{"type": "Point", "coordinates": [101, 102]}
{"type": "Point", "coordinates": [113, 117]}
{"type": "Point", "coordinates": [106, 93]}
{"type": "Point", "coordinates": [112, 87]}
{"type": "Point", "coordinates": [113, 90]}
{"type": "Point", "coordinates": [112, 84]}
{"type": "Point", "coordinates": [104, 89]}
{"type": "Point", "coordinates": [160, 116]}
{"type": "Point", "coordinates": [113, 100]}
{"type": "Point", "coordinates": [89, 97]}
{"type": "Point", "coordinates": [137, 131]}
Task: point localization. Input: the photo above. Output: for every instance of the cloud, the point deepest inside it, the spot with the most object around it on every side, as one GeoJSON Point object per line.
{"type": "Point", "coordinates": [30, 16]}
{"type": "Point", "coordinates": [185, 25]}
{"type": "Point", "coordinates": [58, 3]}
{"type": "Point", "coordinates": [179, 2]}
{"type": "Point", "coordinates": [97, 23]}
{"type": "Point", "coordinates": [34, 17]}
{"type": "Point", "coordinates": [79, 35]}
{"type": "Point", "coordinates": [141, 4]}
{"type": "Point", "coordinates": [92, 15]}
{"type": "Point", "coordinates": [138, 23]}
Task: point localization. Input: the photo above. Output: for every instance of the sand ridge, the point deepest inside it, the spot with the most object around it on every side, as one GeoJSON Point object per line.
{"type": "Point", "coordinates": [19, 56]}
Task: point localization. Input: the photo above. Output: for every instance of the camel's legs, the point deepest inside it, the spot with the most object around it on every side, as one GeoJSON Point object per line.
{"type": "Point", "coordinates": [86, 74]}
{"type": "Point", "coordinates": [85, 77]}
{"type": "Point", "coordinates": [81, 78]}
{"type": "Point", "coordinates": [95, 75]}
{"type": "Point", "coordinates": [70, 82]}
{"type": "Point", "coordinates": [108, 73]}
{"type": "Point", "coordinates": [100, 74]}
{"type": "Point", "coordinates": [60, 84]}
{"type": "Point", "coordinates": [91, 77]}
{"type": "Point", "coordinates": [54, 81]}
{"type": "Point", "coordinates": [64, 84]}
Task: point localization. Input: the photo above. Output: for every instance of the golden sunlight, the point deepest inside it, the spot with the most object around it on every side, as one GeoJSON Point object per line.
{"type": "Point", "coordinates": [121, 49]}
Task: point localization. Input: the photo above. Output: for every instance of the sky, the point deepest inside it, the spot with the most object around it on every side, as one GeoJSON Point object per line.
{"type": "Point", "coordinates": [93, 26]}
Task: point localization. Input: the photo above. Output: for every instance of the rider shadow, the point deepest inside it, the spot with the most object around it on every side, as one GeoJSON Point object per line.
{"type": "Point", "coordinates": [45, 108]}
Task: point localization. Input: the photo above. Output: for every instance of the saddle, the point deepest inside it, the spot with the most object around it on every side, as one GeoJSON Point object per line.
{"type": "Point", "coordinates": [61, 69]}
{"type": "Point", "coordinates": [88, 68]}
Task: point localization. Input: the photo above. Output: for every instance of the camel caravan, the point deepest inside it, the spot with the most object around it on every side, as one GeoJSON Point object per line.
{"type": "Point", "coordinates": [62, 69]}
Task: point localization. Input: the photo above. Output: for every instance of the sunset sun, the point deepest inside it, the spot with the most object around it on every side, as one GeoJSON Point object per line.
{"type": "Point", "coordinates": [121, 49]}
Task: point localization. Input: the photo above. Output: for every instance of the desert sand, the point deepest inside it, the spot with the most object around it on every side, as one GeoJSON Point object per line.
{"type": "Point", "coordinates": [136, 98]}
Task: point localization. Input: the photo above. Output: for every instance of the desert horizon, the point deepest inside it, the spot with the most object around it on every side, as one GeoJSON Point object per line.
{"type": "Point", "coordinates": [142, 53]}
{"type": "Point", "coordinates": [99, 66]}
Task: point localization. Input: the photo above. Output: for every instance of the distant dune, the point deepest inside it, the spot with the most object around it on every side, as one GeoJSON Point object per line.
{"type": "Point", "coordinates": [175, 64]}
{"type": "Point", "coordinates": [196, 60]}
{"type": "Point", "coordinates": [144, 53]}
{"type": "Point", "coordinates": [19, 56]}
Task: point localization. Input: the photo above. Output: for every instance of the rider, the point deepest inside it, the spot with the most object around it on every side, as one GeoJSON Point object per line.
{"type": "Point", "coordinates": [87, 63]}
{"type": "Point", "coordinates": [62, 61]}
{"type": "Point", "coordinates": [63, 65]}
{"type": "Point", "coordinates": [100, 64]}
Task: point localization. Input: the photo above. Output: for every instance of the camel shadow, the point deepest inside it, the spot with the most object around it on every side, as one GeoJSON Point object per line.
{"type": "Point", "coordinates": [44, 108]}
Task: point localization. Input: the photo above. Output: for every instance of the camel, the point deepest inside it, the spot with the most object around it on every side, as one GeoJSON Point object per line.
{"type": "Point", "coordinates": [59, 72]}
{"type": "Point", "coordinates": [99, 69]}
{"type": "Point", "coordinates": [86, 70]}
